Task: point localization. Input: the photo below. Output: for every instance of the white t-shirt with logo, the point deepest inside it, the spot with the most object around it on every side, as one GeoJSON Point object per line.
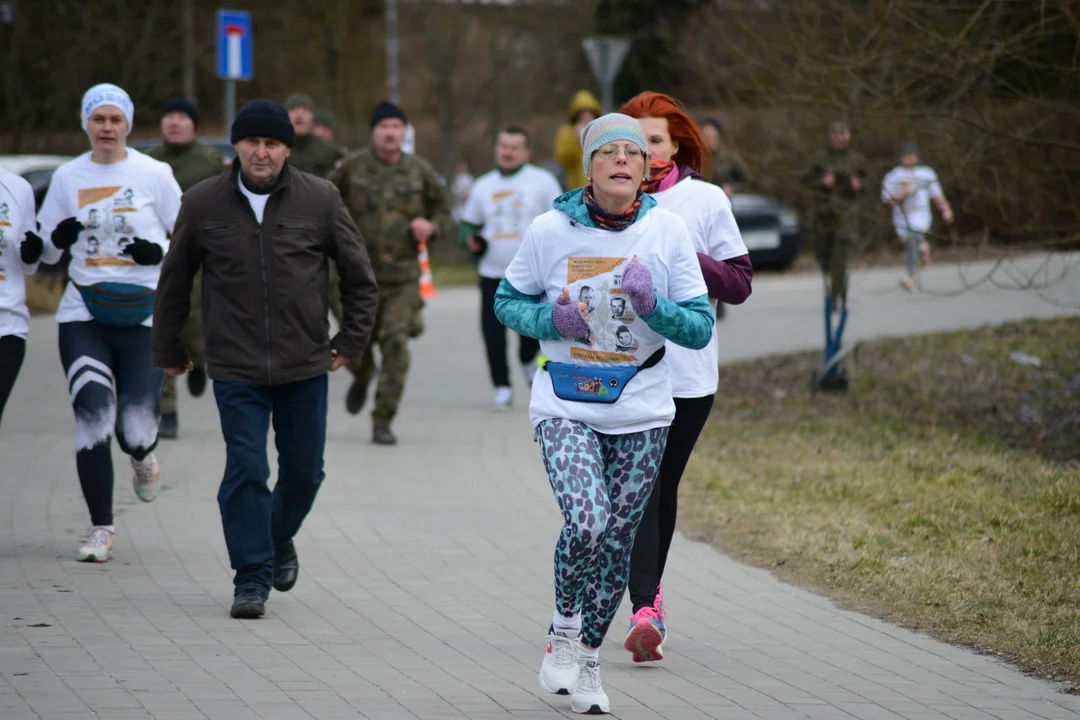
{"type": "Point", "coordinates": [16, 219]}
{"type": "Point", "coordinates": [504, 206]}
{"type": "Point", "coordinates": [707, 212]}
{"type": "Point", "coordinates": [914, 212]}
{"type": "Point", "coordinates": [590, 262]}
{"type": "Point", "coordinates": [136, 197]}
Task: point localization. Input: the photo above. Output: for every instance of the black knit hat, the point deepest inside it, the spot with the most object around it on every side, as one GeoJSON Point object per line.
{"type": "Point", "coordinates": [263, 118]}
{"type": "Point", "coordinates": [387, 111]}
{"type": "Point", "coordinates": [179, 104]}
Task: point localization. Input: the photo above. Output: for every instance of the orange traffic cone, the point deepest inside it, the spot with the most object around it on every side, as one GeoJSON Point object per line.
{"type": "Point", "coordinates": [427, 287]}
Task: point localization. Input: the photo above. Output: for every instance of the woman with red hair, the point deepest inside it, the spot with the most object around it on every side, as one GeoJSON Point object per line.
{"type": "Point", "coordinates": [677, 154]}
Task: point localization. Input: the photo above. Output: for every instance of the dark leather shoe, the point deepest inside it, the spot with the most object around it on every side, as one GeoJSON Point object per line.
{"type": "Point", "coordinates": [383, 436]}
{"type": "Point", "coordinates": [168, 427]}
{"type": "Point", "coordinates": [356, 397]}
{"type": "Point", "coordinates": [196, 381]}
{"type": "Point", "coordinates": [248, 604]}
{"type": "Point", "coordinates": [286, 567]}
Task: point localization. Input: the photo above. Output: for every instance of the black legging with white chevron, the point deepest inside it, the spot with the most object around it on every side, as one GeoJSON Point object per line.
{"type": "Point", "coordinates": [113, 386]}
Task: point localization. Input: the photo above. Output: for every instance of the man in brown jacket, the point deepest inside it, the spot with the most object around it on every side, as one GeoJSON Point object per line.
{"type": "Point", "coordinates": [263, 236]}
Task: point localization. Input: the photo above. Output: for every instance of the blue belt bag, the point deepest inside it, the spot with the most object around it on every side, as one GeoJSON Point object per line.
{"type": "Point", "coordinates": [119, 305]}
{"type": "Point", "coordinates": [587, 383]}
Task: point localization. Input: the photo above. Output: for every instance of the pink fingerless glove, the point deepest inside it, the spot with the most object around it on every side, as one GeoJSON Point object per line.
{"type": "Point", "coordinates": [569, 321]}
{"type": "Point", "coordinates": [638, 284]}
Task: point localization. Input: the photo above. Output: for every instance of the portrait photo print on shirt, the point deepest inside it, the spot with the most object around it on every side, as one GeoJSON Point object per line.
{"type": "Point", "coordinates": [594, 281]}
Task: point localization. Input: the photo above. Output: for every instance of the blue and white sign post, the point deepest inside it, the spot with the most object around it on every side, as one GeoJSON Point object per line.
{"type": "Point", "coordinates": [235, 58]}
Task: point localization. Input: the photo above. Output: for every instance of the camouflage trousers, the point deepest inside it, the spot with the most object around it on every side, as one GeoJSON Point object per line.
{"type": "Point", "coordinates": [834, 235]}
{"type": "Point", "coordinates": [193, 341]}
{"type": "Point", "coordinates": [395, 323]}
{"type": "Point", "coordinates": [416, 323]}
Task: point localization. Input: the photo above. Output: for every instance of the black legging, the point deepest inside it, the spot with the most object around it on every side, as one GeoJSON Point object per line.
{"type": "Point", "coordinates": [495, 336]}
{"type": "Point", "coordinates": [12, 352]}
{"type": "Point", "coordinates": [657, 527]}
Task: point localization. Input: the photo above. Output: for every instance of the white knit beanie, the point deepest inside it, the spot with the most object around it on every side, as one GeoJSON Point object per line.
{"type": "Point", "coordinates": [107, 94]}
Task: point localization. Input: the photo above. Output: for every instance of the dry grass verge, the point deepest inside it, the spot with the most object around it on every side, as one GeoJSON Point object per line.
{"type": "Point", "coordinates": [942, 493]}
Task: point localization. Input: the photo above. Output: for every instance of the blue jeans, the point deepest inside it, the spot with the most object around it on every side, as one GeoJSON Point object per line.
{"type": "Point", "coordinates": [254, 518]}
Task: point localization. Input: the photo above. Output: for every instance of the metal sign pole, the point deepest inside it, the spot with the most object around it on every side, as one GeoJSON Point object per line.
{"type": "Point", "coordinates": [392, 52]}
{"type": "Point", "coordinates": [230, 103]}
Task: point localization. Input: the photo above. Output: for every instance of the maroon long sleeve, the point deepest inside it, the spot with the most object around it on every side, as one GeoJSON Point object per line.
{"type": "Point", "coordinates": [727, 280]}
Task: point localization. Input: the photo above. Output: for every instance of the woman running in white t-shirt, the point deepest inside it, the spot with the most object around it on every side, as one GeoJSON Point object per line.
{"type": "Point", "coordinates": [112, 207]}
{"type": "Point", "coordinates": [601, 404]}
{"type": "Point", "coordinates": [678, 152]}
{"type": "Point", "coordinates": [20, 251]}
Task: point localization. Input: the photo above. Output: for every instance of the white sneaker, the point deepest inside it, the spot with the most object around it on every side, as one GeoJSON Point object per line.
{"type": "Point", "coordinates": [559, 673]}
{"type": "Point", "coordinates": [589, 697]}
{"type": "Point", "coordinates": [145, 478]}
{"type": "Point", "coordinates": [504, 397]}
{"type": "Point", "coordinates": [99, 547]}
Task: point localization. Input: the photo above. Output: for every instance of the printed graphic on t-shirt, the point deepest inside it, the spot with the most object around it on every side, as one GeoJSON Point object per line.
{"type": "Point", "coordinates": [5, 230]}
{"type": "Point", "coordinates": [507, 219]}
{"type": "Point", "coordinates": [595, 281]}
{"type": "Point", "coordinates": [108, 230]}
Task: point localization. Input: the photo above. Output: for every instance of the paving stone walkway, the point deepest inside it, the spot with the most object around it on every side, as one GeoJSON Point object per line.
{"type": "Point", "coordinates": [425, 586]}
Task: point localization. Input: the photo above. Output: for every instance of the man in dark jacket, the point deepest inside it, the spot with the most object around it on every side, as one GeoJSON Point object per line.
{"type": "Point", "coordinates": [264, 236]}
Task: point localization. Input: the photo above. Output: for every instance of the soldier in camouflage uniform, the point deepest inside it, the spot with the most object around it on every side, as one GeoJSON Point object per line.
{"type": "Point", "coordinates": [836, 175]}
{"type": "Point", "coordinates": [311, 153]}
{"type": "Point", "coordinates": [397, 202]}
{"type": "Point", "coordinates": [191, 162]}
{"type": "Point", "coordinates": [729, 171]}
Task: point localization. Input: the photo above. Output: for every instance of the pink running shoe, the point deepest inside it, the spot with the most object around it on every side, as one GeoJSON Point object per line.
{"type": "Point", "coordinates": [645, 639]}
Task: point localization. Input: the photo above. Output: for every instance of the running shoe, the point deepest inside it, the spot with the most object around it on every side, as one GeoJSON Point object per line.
{"type": "Point", "coordinates": [99, 547]}
{"type": "Point", "coordinates": [559, 672]}
{"type": "Point", "coordinates": [145, 477]}
{"type": "Point", "coordinates": [645, 639]}
{"type": "Point", "coordinates": [589, 697]}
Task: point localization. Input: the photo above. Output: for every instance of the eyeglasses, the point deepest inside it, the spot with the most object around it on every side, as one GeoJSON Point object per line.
{"type": "Point", "coordinates": [609, 151]}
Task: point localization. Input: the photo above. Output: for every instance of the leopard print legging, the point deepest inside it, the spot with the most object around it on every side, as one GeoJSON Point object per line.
{"type": "Point", "coordinates": [602, 483]}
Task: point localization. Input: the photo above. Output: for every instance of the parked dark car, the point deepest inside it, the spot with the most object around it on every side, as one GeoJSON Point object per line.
{"type": "Point", "coordinates": [770, 230]}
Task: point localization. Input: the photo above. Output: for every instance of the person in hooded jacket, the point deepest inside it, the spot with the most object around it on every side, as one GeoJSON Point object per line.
{"type": "Point", "coordinates": [584, 108]}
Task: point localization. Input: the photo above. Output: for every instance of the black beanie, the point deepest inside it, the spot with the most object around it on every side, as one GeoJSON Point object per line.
{"type": "Point", "coordinates": [179, 104]}
{"type": "Point", "coordinates": [387, 111]}
{"type": "Point", "coordinates": [263, 118]}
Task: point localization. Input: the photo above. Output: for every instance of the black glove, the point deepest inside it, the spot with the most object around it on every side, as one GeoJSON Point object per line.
{"type": "Point", "coordinates": [482, 241]}
{"type": "Point", "coordinates": [143, 252]}
{"type": "Point", "coordinates": [31, 248]}
{"type": "Point", "coordinates": [67, 233]}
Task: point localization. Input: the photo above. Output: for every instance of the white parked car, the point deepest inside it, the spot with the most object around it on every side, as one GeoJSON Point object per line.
{"type": "Point", "coordinates": [35, 169]}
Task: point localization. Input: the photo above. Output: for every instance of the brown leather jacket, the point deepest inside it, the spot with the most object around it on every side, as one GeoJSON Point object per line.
{"type": "Point", "coordinates": [265, 288]}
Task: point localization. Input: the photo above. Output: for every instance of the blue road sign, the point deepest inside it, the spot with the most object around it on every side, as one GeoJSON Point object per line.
{"type": "Point", "coordinates": [235, 59]}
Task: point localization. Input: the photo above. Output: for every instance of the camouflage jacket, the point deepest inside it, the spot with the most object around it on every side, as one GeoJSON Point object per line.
{"type": "Point", "coordinates": [314, 155]}
{"type": "Point", "coordinates": [191, 163]}
{"type": "Point", "coordinates": [383, 200]}
{"type": "Point", "coordinates": [729, 169]}
{"type": "Point", "coordinates": [844, 164]}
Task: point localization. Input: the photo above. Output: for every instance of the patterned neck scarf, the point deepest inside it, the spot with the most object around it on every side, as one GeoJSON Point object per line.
{"type": "Point", "coordinates": [607, 221]}
{"type": "Point", "coordinates": [659, 171]}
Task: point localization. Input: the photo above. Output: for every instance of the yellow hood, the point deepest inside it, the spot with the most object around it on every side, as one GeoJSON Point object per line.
{"type": "Point", "coordinates": [582, 100]}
